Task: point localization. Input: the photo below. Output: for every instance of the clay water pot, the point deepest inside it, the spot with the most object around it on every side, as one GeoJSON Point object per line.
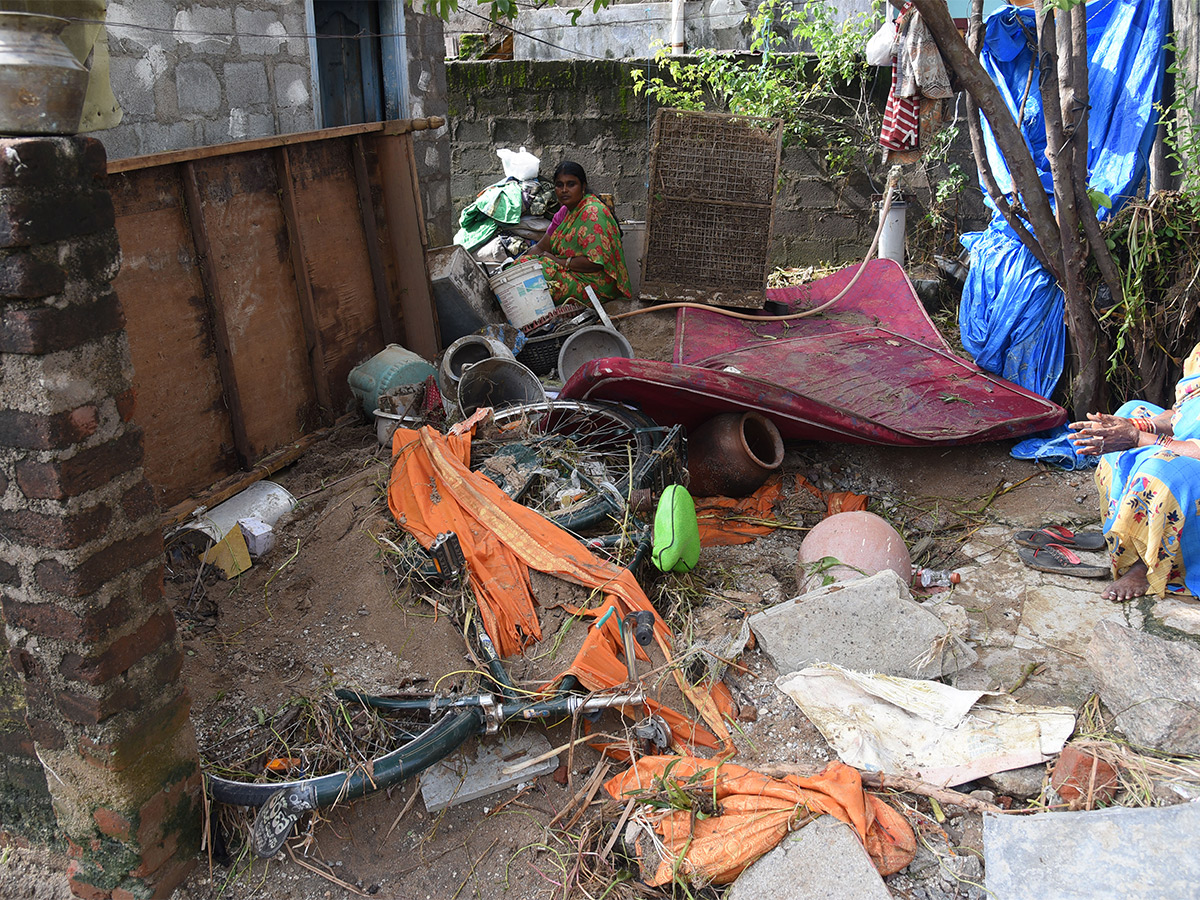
{"type": "Point", "coordinates": [863, 542]}
{"type": "Point", "coordinates": [732, 454]}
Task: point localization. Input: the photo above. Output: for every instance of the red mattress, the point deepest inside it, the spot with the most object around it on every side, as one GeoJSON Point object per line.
{"type": "Point", "coordinates": [870, 369]}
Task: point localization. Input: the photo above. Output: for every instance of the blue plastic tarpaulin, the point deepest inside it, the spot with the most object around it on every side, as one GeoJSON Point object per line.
{"type": "Point", "coordinates": [1011, 316]}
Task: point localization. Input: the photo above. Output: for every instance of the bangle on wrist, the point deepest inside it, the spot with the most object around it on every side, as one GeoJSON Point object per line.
{"type": "Point", "coordinates": [1144, 424]}
{"type": "Point", "coordinates": [1162, 440]}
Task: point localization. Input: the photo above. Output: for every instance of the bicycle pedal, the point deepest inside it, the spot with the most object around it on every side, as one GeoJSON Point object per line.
{"type": "Point", "coordinates": [448, 556]}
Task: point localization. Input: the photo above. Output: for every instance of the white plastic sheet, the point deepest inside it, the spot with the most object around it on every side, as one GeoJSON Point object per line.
{"type": "Point", "coordinates": [923, 728]}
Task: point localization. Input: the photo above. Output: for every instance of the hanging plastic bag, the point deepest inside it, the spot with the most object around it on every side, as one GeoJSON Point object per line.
{"type": "Point", "coordinates": [521, 165]}
{"type": "Point", "coordinates": [881, 46]}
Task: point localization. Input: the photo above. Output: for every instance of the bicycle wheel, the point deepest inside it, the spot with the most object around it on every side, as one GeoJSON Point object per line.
{"type": "Point", "coordinates": [425, 744]}
{"type": "Point", "coordinates": [575, 463]}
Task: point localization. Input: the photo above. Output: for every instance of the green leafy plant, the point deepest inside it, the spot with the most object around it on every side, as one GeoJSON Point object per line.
{"type": "Point", "coordinates": [820, 94]}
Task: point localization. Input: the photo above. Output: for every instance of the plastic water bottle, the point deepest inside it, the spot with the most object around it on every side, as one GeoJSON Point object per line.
{"type": "Point", "coordinates": [928, 578]}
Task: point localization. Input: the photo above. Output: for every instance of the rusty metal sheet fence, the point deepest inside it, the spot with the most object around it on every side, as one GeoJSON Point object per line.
{"type": "Point", "coordinates": [710, 207]}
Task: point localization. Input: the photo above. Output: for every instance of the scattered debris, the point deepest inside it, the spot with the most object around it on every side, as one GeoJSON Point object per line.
{"type": "Point", "coordinates": [944, 735]}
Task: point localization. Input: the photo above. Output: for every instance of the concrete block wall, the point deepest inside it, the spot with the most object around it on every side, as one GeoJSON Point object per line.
{"type": "Point", "coordinates": [195, 73]}
{"type": "Point", "coordinates": [88, 633]}
{"type": "Point", "coordinates": [587, 111]}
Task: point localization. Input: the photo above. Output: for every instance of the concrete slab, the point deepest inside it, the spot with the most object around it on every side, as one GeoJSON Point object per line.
{"type": "Point", "coordinates": [1110, 854]}
{"type": "Point", "coordinates": [868, 625]}
{"type": "Point", "coordinates": [479, 769]}
{"type": "Point", "coordinates": [1151, 684]}
{"type": "Point", "coordinates": [1180, 613]}
{"type": "Point", "coordinates": [823, 860]}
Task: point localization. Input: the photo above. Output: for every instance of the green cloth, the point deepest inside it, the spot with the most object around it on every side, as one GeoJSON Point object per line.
{"type": "Point", "coordinates": [499, 203]}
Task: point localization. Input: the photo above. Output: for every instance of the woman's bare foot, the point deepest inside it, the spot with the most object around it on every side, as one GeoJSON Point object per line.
{"type": "Point", "coordinates": [1132, 584]}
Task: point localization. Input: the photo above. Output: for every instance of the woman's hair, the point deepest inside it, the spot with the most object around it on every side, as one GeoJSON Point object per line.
{"type": "Point", "coordinates": [572, 168]}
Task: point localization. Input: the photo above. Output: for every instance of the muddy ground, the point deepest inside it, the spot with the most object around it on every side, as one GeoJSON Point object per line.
{"type": "Point", "coordinates": [332, 605]}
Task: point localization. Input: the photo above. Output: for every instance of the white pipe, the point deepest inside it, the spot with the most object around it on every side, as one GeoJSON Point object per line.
{"type": "Point", "coordinates": [891, 237]}
{"type": "Point", "coordinates": [677, 43]}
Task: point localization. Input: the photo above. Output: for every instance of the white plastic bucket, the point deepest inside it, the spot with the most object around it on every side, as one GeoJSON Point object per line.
{"type": "Point", "coordinates": [522, 292]}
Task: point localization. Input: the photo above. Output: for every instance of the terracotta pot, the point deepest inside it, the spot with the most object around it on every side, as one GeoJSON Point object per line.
{"type": "Point", "coordinates": [861, 541]}
{"type": "Point", "coordinates": [732, 454]}
{"type": "Point", "coordinates": [42, 85]}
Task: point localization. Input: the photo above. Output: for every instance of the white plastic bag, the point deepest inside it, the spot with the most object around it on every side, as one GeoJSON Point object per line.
{"type": "Point", "coordinates": [881, 46]}
{"type": "Point", "coordinates": [521, 165]}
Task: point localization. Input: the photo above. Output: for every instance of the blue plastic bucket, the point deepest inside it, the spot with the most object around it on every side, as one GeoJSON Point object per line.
{"type": "Point", "coordinates": [390, 368]}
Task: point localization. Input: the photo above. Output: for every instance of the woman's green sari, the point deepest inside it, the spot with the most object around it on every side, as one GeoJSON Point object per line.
{"type": "Point", "coordinates": [588, 230]}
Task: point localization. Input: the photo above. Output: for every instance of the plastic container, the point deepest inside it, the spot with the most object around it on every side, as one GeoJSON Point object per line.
{"type": "Point", "coordinates": [498, 383]}
{"type": "Point", "coordinates": [927, 578]}
{"type": "Point", "coordinates": [461, 355]}
{"type": "Point", "coordinates": [586, 344]}
{"type": "Point", "coordinates": [390, 368]}
{"type": "Point", "coordinates": [522, 292]}
{"type": "Point", "coordinates": [263, 500]}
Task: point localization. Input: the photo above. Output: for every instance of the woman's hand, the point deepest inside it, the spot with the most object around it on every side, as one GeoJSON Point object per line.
{"type": "Point", "coordinates": [1103, 433]}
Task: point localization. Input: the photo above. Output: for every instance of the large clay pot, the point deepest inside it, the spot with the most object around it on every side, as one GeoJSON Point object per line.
{"type": "Point", "coordinates": [863, 542]}
{"type": "Point", "coordinates": [42, 85]}
{"type": "Point", "coordinates": [732, 454]}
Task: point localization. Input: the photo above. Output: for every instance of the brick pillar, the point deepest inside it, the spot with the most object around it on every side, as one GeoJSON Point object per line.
{"type": "Point", "coordinates": [81, 550]}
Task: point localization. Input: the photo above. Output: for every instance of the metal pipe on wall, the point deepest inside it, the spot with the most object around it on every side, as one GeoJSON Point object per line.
{"type": "Point", "coordinates": [678, 46]}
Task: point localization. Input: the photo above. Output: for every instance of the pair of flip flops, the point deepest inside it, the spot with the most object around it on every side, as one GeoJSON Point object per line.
{"type": "Point", "coordinates": [1052, 549]}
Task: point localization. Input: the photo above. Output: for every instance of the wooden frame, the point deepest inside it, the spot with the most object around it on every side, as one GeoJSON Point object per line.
{"type": "Point", "coordinates": [255, 276]}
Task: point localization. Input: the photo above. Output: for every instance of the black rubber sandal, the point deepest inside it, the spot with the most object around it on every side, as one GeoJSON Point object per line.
{"type": "Point", "coordinates": [1063, 537]}
{"type": "Point", "coordinates": [1061, 561]}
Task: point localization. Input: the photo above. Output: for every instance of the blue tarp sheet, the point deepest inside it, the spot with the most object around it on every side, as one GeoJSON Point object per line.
{"type": "Point", "coordinates": [1011, 316]}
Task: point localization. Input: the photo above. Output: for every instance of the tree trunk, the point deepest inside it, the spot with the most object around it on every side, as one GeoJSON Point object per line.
{"type": "Point", "coordinates": [1055, 48]}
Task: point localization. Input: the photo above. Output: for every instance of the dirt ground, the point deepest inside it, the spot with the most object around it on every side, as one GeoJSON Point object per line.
{"type": "Point", "coordinates": [331, 606]}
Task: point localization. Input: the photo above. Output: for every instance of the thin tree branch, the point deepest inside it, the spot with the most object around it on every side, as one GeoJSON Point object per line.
{"type": "Point", "coordinates": [1087, 212]}
{"type": "Point", "coordinates": [978, 83]}
{"type": "Point", "coordinates": [979, 151]}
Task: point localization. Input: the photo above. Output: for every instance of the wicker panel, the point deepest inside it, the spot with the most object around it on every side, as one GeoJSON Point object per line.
{"type": "Point", "coordinates": [709, 212]}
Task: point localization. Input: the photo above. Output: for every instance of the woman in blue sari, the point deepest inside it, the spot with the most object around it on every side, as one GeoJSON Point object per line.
{"type": "Point", "coordinates": [1149, 481]}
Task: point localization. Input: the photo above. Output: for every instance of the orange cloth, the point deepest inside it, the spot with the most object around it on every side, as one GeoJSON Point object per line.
{"type": "Point", "coordinates": [722, 520]}
{"type": "Point", "coordinates": [432, 490]}
{"type": "Point", "coordinates": [753, 813]}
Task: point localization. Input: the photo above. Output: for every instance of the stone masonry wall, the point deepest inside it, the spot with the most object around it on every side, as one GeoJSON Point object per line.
{"type": "Point", "coordinates": [81, 559]}
{"type": "Point", "coordinates": [587, 111]}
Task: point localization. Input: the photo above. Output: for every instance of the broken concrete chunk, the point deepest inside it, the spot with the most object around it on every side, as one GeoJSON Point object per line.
{"type": "Point", "coordinates": [485, 768]}
{"type": "Point", "coordinates": [824, 859]}
{"type": "Point", "coordinates": [869, 625]}
{"type": "Point", "coordinates": [1109, 854]}
{"type": "Point", "coordinates": [1152, 685]}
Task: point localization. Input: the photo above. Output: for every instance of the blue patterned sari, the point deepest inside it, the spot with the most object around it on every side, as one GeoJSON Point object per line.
{"type": "Point", "coordinates": [1152, 493]}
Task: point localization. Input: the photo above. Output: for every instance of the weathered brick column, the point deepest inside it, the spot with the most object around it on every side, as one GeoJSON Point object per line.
{"type": "Point", "coordinates": [80, 545]}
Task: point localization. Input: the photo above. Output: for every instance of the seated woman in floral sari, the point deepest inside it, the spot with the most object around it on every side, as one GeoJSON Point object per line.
{"type": "Point", "coordinates": [1149, 480]}
{"type": "Point", "coordinates": [583, 245]}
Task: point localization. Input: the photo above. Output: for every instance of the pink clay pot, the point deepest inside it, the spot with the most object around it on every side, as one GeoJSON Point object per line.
{"type": "Point", "coordinates": [863, 542]}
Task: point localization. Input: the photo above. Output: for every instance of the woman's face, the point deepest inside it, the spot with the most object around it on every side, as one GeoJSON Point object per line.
{"type": "Point", "coordinates": [569, 190]}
